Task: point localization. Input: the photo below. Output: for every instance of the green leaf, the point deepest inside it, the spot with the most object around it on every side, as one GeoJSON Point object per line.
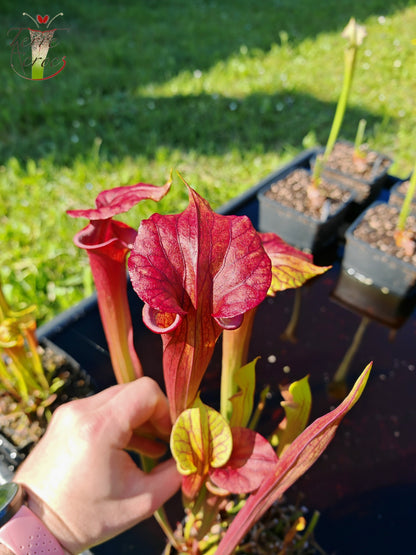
{"type": "Point", "coordinates": [297, 406]}
{"type": "Point", "coordinates": [242, 402]}
{"type": "Point", "coordinates": [200, 439]}
{"type": "Point", "coordinates": [291, 268]}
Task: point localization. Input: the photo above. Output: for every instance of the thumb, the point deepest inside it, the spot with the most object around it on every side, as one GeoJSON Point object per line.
{"type": "Point", "coordinates": [160, 484]}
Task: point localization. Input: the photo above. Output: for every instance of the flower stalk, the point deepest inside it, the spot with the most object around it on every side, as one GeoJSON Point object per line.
{"type": "Point", "coordinates": [355, 35]}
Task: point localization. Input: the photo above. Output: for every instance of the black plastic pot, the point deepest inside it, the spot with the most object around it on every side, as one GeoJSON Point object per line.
{"type": "Point", "coordinates": [370, 266]}
{"type": "Point", "coordinates": [296, 228]}
{"type": "Point", "coordinates": [10, 458]}
{"type": "Point", "coordinates": [367, 190]}
{"type": "Point", "coordinates": [366, 299]}
{"type": "Point", "coordinates": [398, 193]}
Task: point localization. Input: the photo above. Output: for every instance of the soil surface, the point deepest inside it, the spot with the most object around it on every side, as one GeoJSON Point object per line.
{"type": "Point", "coordinates": [284, 528]}
{"type": "Point", "coordinates": [378, 226]}
{"type": "Point", "coordinates": [361, 189]}
{"type": "Point", "coordinates": [367, 167]}
{"type": "Point", "coordinates": [397, 196]}
{"type": "Point", "coordinates": [268, 535]}
{"type": "Point", "coordinates": [292, 191]}
{"type": "Point", "coordinates": [357, 173]}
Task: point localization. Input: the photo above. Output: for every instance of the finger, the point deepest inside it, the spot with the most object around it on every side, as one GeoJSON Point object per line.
{"type": "Point", "coordinates": [139, 402]}
{"type": "Point", "coordinates": [160, 485]}
{"type": "Point", "coordinates": [98, 399]}
{"type": "Point", "coordinates": [150, 430]}
{"type": "Point", "coordinates": [147, 446]}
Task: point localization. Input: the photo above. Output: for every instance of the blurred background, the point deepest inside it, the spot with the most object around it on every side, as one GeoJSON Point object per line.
{"type": "Point", "coordinates": [223, 92]}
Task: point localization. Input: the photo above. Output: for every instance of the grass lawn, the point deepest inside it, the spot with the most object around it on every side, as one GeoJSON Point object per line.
{"type": "Point", "coordinates": [223, 92]}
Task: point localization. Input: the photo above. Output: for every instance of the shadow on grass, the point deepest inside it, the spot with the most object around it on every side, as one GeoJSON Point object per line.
{"type": "Point", "coordinates": [113, 50]}
{"type": "Point", "coordinates": [156, 40]}
{"type": "Point", "coordinates": [204, 124]}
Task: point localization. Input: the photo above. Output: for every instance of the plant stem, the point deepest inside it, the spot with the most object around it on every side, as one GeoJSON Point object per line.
{"type": "Point", "coordinates": [309, 530]}
{"type": "Point", "coordinates": [349, 66]}
{"type": "Point", "coordinates": [235, 345]}
{"type": "Point", "coordinates": [259, 409]}
{"type": "Point", "coordinates": [359, 137]}
{"type": "Point", "coordinates": [32, 341]}
{"type": "Point", "coordinates": [20, 380]}
{"type": "Point", "coordinates": [407, 203]}
{"type": "Point", "coordinates": [160, 515]}
{"type": "Point", "coordinates": [5, 380]}
{"type": "Point", "coordinates": [343, 368]}
{"type": "Point", "coordinates": [290, 332]}
{"type": "Point", "coordinates": [19, 359]}
{"type": "Point", "coordinates": [162, 520]}
{"type": "Point", "coordinates": [4, 307]}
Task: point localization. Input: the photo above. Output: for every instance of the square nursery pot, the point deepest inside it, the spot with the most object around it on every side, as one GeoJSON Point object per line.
{"type": "Point", "coordinates": [398, 192]}
{"type": "Point", "coordinates": [370, 301]}
{"type": "Point", "coordinates": [366, 177]}
{"type": "Point", "coordinates": [310, 231]}
{"type": "Point", "coordinates": [375, 270]}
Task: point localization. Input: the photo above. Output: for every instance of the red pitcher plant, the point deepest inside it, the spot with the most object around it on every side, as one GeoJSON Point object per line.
{"type": "Point", "coordinates": [201, 275]}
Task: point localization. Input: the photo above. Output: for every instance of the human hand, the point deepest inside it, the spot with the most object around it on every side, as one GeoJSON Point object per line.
{"type": "Point", "coordinates": [82, 483]}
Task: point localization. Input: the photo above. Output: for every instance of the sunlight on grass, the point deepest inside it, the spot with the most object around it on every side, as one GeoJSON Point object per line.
{"type": "Point", "coordinates": [314, 67]}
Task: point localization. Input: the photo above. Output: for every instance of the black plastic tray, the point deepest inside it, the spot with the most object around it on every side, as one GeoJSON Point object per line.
{"type": "Point", "coordinates": [365, 483]}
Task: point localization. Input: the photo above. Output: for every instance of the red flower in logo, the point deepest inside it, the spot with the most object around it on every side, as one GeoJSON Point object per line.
{"type": "Point", "coordinates": [43, 19]}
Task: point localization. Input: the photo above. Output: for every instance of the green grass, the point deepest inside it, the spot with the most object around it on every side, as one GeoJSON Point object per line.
{"type": "Point", "coordinates": [223, 92]}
